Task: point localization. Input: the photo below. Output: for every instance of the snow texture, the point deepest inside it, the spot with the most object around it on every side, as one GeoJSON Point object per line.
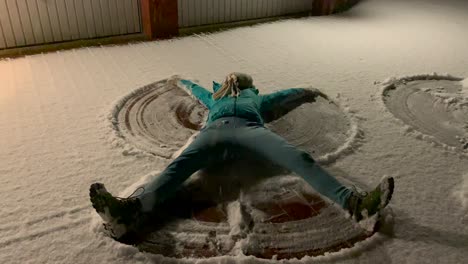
{"type": "Point", "coordinates": [54, 131]}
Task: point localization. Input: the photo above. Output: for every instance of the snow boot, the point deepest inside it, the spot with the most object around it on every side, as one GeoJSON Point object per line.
{"type": "Point", "coordinates": [364, 205]}
{"type": "Point", "coordinates": [121, 215]}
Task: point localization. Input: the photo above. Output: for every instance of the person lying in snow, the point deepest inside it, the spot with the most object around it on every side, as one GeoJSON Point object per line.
{"type": "Point", "coordinates": [235, 121]}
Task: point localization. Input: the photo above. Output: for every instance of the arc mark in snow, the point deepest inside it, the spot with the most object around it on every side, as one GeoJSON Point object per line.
{"type": "Point", "coordinates": [433, 105]}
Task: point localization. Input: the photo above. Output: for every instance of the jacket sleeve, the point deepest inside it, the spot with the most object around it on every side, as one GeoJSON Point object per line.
{"type": "Point", "coordinates": [203, 95]}
{"type": "Point", "coordinates": [281, 98]}
{"type": "Point", "coordinates": [277, 104]}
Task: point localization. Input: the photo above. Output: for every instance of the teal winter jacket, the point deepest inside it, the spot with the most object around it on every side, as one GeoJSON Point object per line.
{"type": "Point", "coordinates": [249, 105]}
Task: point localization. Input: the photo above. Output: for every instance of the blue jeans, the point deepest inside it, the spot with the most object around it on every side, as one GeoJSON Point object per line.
{"type": "Point", "coordinates": [230, 134]}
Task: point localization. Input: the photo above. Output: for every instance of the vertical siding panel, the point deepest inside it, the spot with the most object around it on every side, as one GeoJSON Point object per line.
{"type": "Point", "coordinates": [239, 9]}
{"type": "Point", "coordinates": [81, 18]}
{"type": "Point", "coordinates": [191, 13]}
{"type": "Point", "coordinates": [267, 4]}
{"type": "Point", "coordinates": [291, 7]}
{"type": "Point", "coordinates": [216, 10]}
{"type": "Point", "coordinates": [89, 18]}
{"type": "Point", "coordinates": [41, 7]}
{"type": "Point", "coordinates": [63, 18]}
{"type": "Point", "coordinates": [122, 17]}
{"type": "Point", "coordinates": [185, 11]}
{"type": "Point", "coordinates": [8, 34]}
{"type": "Point", "coordinates": [194, 11]}
{"type": "Point", "coordinates": [253, 5]}
{"type": "Point", "coordinates": [273, 7]}
{"type": "Point", "coordinates": [115, 19]}
{"type": "Point", "coordinates": [107, 18]}
{"type": "Point", "coordinates": [226, 7]}
{"type": "Point", "coordinates": [179, 12]}
{"type": "Point", "coordinates": [35, 21]}
{"type": "Point", "coordinates": [222, 11]}
{"type": "Point", "coordinates": [297, 6]}
{"type": "Point", "coordinates": [72, 19]}
{"type": "Point", "coordinates": [129, 15]}
{"type": "Point", "coordinates": [227, 11]}
{"type": "Point", "coordinates": [15, 22]}
{"type": "Point", "coordinates": [199, 8]}
{"type": "Point", "coordinates": [180, 6]}
{"type": "Point", "coordinates": [97, 17]}
{"type": "Point", "coordinates": [239, 6]}
{"type": "Point", "coordinates": [258, 12]}
{"type": "Point", "coordinates": [255, 8]}
{"type": "Point", "coordinates": [229, 6]}
{"type": "Point", "coordinates": [204, 11]}
{"type": "Point", "coordinates": [258, 9]}
{"type": "Point", "coordinates": [249, 9]}
{"type": "Point", "coordinates": [52, 12]}
{"type": "Point", "coordinates": [243, 9]}
{"type": "Point", "coordinates": [209, 12]}
{"type": "Point", "coordinates": [136, 16]}
{"type": "Point", "coordinates": [25, 19]}
{"type": "Point", "coordinates": [188, 13]}
{"type": "Point", "coordinates": [253, 12]}
{"type": "Point", "coordinates": [232, 10]}
{"type": "Point", "coordinates": [3, 43]}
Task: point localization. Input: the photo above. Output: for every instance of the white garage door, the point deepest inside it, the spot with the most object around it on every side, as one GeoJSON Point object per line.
{"type": "Point", "coordinates": [32, 22]}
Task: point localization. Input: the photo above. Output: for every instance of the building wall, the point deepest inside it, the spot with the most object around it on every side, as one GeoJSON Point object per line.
{"type": "Point", "coordinates": [32, 22]}
{"type": "Point", "coordinates": [204, 12]}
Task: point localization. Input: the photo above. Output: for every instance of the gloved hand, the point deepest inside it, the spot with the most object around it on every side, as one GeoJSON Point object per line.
{"type": "Point", "coordinates": [314, 92]}
{"type": "Point", "coordinates": [174, 79]}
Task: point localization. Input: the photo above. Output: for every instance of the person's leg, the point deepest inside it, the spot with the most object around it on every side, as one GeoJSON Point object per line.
{"type": "Point", "coordinates": [204, 150]}
{"type": "Point", "coordinates": [276, 149]}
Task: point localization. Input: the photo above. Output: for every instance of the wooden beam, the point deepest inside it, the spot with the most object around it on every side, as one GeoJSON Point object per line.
{"type": "Point", "coordinates": [160, 18]}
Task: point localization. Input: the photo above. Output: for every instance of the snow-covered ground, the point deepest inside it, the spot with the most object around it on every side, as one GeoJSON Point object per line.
{"type": "Point", "coordinates": [54, 144]}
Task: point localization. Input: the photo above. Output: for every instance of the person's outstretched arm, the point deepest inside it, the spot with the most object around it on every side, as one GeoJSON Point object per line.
{"type": "Point", "coordinates": [203, 95]}
{"type": "Point", "coordinates": [289, 99]}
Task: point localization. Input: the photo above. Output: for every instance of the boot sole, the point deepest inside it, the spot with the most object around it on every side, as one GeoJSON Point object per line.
{"type": "Point", "coordinates": [387, 189]}
{"type": "Point", "coordinates": [95, 192]}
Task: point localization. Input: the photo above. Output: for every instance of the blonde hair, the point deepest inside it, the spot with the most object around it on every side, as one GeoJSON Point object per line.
{"type": "Point", "coordinates": [233, 84]}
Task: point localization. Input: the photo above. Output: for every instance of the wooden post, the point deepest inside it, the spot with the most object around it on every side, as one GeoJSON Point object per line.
{"type": "Point", "coordinates": [320, 7]}
{"type": "Point", "coordinates": [160, 18]}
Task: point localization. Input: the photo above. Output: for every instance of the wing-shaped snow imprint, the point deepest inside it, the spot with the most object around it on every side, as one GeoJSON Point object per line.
{"type": "Point", "coordinates": [242, 207]}
{"type": "Point", "coordinates": [158, 119]}
{"type": "Point", "coordinates": [434, 105]}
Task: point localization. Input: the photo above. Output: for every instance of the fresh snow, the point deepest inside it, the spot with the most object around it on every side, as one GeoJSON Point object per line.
{"type": "Point", "coordinates": [54, 131]}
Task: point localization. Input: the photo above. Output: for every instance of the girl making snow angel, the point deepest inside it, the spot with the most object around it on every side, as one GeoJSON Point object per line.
{"type": "Point", "coordinates": [235, 121]}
